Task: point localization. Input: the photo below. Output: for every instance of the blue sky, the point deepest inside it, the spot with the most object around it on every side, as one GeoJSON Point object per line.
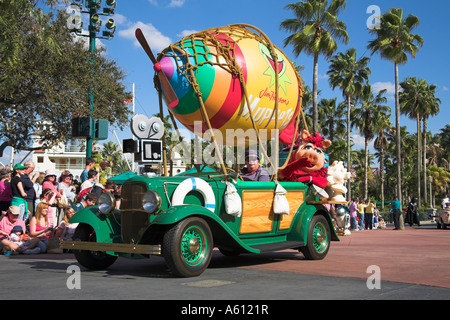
{"type": "Point", "coordinates": [166, 21]}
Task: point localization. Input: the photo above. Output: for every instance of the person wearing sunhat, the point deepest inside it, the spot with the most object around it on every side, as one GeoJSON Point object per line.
{"type": "Point", "coordinates": [7, 224]}
{"type": "Point", "coordinates": [252, 170]}
{"type": "Point", "coordinates": [18, 192]}
{"type": "Point", "coordinates": [51, 182]}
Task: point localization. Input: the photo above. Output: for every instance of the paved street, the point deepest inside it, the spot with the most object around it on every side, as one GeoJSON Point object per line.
{"type": "Point", "coordinates": [412, 264]}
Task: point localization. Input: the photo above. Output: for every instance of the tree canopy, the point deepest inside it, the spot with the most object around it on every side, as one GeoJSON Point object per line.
{"type": "Point", "coordinates": [45, 76]}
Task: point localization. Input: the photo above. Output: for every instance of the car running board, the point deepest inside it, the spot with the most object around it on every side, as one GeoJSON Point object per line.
{"type": "Point", "coordinates": [278, 246]}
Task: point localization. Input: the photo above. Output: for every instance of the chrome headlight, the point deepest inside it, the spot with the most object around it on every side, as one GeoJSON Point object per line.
{"type": "Point", "coordinates": [151, 201]}
{"type": "Point", "coordinates": [106, 203]}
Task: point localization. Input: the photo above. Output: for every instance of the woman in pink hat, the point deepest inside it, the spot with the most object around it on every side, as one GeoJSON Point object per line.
{"type": "Point", "coordinates": [50, 182]}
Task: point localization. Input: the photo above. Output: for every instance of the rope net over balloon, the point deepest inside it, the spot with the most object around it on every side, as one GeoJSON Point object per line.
{"type": "Point", "coordinates": [219, 47]}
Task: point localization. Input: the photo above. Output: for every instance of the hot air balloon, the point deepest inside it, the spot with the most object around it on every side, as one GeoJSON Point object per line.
{"type": "Point", "coordinates": [230, 79]}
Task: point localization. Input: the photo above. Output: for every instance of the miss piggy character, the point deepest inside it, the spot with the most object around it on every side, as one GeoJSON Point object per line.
{"type": "Point", "coordinates": [307, 163]}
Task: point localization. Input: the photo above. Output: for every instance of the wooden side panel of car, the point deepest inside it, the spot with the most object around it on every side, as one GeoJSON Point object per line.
{"type": "Point", "coordinates": [257, 215]}
{"type": "Point", "coordinates": [295, 199]}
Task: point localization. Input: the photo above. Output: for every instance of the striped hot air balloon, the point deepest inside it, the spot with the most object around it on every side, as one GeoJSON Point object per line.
{"type": "Point", "coordinates": [234, 71]}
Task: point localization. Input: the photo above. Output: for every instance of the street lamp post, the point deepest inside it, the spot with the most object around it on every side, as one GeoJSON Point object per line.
{"type": "Point", "coordinates": [74, 23]}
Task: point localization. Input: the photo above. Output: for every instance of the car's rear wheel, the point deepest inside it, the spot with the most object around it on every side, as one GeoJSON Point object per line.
{"type": "Point", "coordinates": [94, 260]}
{"type": "Point", "coordinates": [187, 247]}
{"type": "Point", "coordinates": [318, 239]}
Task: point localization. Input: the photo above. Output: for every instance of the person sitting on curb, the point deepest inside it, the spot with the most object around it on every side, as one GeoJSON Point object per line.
{"type": "Point", "coordinates": [18, 237]}
{"type": "Point", "coordinates": [7, 224]}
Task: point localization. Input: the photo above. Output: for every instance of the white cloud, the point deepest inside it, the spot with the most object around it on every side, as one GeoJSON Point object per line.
{"type": "Point", "coordinates": [359, 141]}
{"type": "Point", "coordinates": [185, 33]}
{"type": "Point", "coordinates": [389, 86]}
{"type": "Point", "coordinates": [444, 88]}
{"type": "Point", "coordinates": [171, 4]}
{"type": "Point", "coordinates": [155, 38]}
{"type": "Point", "coordinates": [120, 19]}
{"type": "Point", "coordinates": [176, 3]}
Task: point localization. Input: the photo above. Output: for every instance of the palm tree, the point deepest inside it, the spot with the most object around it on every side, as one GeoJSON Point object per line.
{"type": "Point", "coordinates": [409, 176]}
{"type": "Point", "coordinates": [331, 117]}
{"type": "Point", "coordinates": [123, 166]}
{"type": "Point", "coordinates": [360, 171]}
{"type": "Point", "coordinates": [306, 105]}
{"type": "Point", "coordinates": [411, 103]}
{"type": "Point", "coordinates": [431, 109]}
{"type": "Point", "coordinates": [384, 126]}
{"type": "Point", "coordinates": [350, 75]}
{"type": "Point", "coordinates": [436, 154]}
{"type": "Point", "coordinates": [365, 120]}
{"type": "Point", "coordinates": [393, 42]}
{"type": "Point", "coordinates": [444, 136]}
{"type": "Point", "coordinates": [418, 101]}
{"type": "Point", "coordinates": [440, 180]}
{"type": "Point", "coordinates": [337, 151]}
{"type": "Point", "coordinates": [314, 30]}
{"type": "Point", "coordinates": [112, 154]}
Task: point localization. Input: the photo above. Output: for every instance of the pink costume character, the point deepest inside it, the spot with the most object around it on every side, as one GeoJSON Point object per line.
{"type": "Point", "coordinates": [307, 162]}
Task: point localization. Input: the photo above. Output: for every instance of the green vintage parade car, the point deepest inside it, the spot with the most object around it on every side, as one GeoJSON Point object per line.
{"type": "Point", "coordinates": [182, 218]}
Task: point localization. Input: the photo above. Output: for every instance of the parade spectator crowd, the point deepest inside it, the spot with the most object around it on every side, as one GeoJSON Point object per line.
{"type": "Point", "coordinates": [35, 208]}
{"type": "Point", "coordinates": [364, 215]}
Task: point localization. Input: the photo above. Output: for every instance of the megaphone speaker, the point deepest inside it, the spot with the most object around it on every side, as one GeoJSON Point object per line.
{"type": "Point", "coordinates": [96, 19]}
{"type": "Point", "coordinates": [110, 24]}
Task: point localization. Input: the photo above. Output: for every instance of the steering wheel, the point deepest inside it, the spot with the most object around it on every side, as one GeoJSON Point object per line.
{"type": "Point", "coordinates": [235, 174]}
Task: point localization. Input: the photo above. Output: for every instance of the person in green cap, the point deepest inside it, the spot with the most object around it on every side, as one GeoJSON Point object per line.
{"type": "Point", "coordinates": [18, 192]}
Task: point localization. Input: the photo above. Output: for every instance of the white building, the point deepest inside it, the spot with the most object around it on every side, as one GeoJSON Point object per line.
{"type": "Point", "coordinates": [64, 156]}
{"type": "Point", "coordinates": [72, 156]}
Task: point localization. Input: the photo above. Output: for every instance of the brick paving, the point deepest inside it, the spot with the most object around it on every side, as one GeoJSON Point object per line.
{"type": "Point", "coordinates": [418, 255]}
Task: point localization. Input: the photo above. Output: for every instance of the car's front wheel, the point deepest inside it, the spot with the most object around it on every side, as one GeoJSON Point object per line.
{"type": "Point", "coordinates": [187, 247]}
{"type": "Point", "coordinates": [318, 240]}
{"type": "Point", "coordinates": [94, 260]}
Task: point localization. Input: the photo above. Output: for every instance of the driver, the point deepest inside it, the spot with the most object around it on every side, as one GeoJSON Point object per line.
{"type": "Point", "coordinates": [252, 170]}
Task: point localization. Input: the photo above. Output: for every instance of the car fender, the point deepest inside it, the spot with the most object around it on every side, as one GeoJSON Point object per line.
{"type": "Point", "coordinates": [305, 214]}
{"type": "Point", "coordinates": [221, 232]}
{"type": "Point", "coordinates": [100, 223]}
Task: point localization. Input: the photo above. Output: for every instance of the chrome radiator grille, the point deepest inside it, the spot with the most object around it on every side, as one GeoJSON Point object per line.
{"type": "Point", "coordinates": [134, 219]}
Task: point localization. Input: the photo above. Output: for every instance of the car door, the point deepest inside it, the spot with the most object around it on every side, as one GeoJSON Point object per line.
{"type": "Point", "coordinates": [257, 207]}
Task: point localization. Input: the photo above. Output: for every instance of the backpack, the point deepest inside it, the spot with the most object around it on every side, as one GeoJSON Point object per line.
{"type": "Point", "coordinates": [95, 190]}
